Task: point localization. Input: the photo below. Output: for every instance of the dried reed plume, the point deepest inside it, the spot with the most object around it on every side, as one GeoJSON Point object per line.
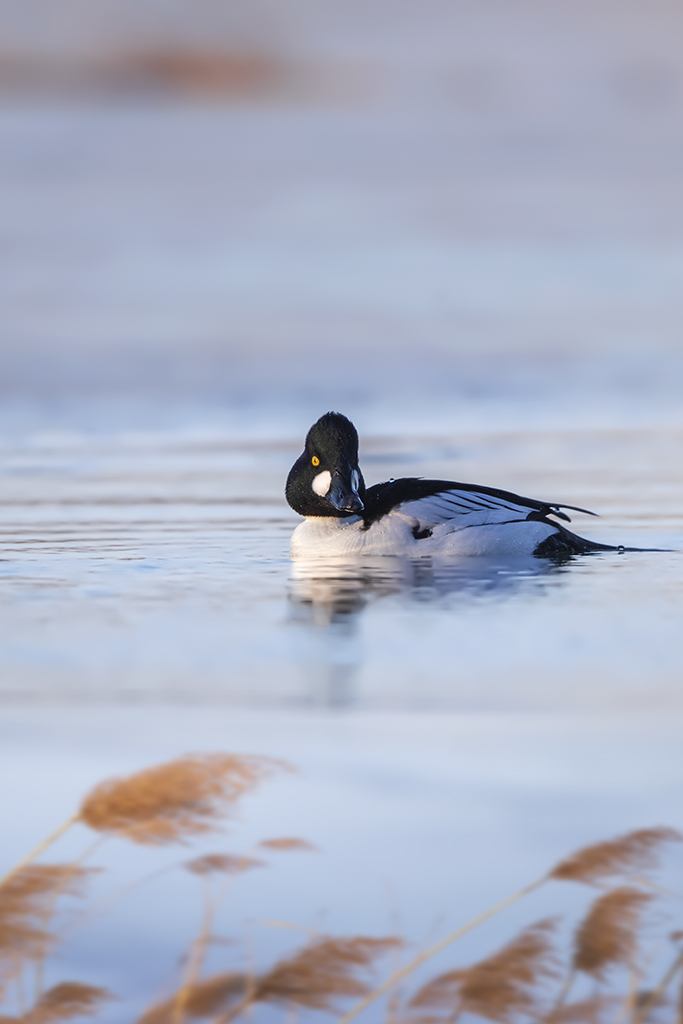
{"type": "Point", "coordinates": [403, 972]}
{"type": "Point", "coordinates": [66, 1001]}
{"type": "Point", "coordinates": [635, 851]}
{"type": "Point", "coordinates": [499, 988]}
{"type": "Point", "coordinates": [585, 1011]}
{"type": "Point", "coordinates": [167, 803]}
{"type": "Point", "coordinates": [322, 972]}
{"type": "Point", "coordinates": [646, 1001]}
{"type": "Point", "coordinates": [187, 797]}
{"type": "Point", "coordinates": [286, 843]}
{"type": "Point", "coordinates": [26, 902]}
{"type": "Point", "coordinates": [607, 936]}
{"type": "Point", "coordinates": [203, 999]}
{"type": "Point", "coordinates": [591, 864]}
{"type": "Point", "coordinates": [222, 863]}
{"type": "Point", "coordinates": [316, 977]}
{"type": "Point", "coordinates": [171, 802]}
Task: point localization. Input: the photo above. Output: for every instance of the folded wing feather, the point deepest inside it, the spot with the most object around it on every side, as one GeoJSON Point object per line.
{"type": "Point", "coordinates": [476, 508]}
{"type": "Point", "coordinates": [436, 502]}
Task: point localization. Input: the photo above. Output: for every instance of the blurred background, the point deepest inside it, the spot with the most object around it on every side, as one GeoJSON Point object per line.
{"type": "Point", "coordinates": [225, 212]}
{"type": "Point", "coordinates": [461, 224]}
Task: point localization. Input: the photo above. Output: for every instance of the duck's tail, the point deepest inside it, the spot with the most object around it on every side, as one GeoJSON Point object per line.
{"type": "Point", "coordinates": [563, 544]}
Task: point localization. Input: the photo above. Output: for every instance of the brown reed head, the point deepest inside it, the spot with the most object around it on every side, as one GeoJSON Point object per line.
{"type": "Point", "coordinates": [174, 801]}
{"type": "Point", "coordinates": [635, 851]}
{"type": "Point", "coordinates": [26, 901]}
{"type": "Point", "coordinates": [500, 988]}
{"type": "Point", "coordinates": [201, 1000]}
{"type": "Point", "coordinates": [286, 843]}
{"type": "Point", "coordinates": [324, 971]}
{"type": "Point", "coordinates": [647, 1002]}
{"type": "Point", "coordinates": [222, 864]}
{"type": "Point", "coordinates": [66, 1001]}
{"type": "Point", "coordinates": [608, 934]}
{"type": "Point", "coordinates": [595, 1010]}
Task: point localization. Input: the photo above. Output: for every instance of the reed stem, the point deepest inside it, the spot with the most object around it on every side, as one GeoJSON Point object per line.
{"type": "Point", "coordinates": [565, 990]}
{"type": "Point", "coordinates": [436, 948]}
{"type": "Point", "coordinates": [642, 1011]}
{"type": "Point", "coordinates": [47, 842]}
{"type": "Point", "coordinates": [195, 959]}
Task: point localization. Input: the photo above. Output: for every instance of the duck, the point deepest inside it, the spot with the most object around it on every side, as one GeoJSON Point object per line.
{"type": "Point", "coordinates": [413, 516]}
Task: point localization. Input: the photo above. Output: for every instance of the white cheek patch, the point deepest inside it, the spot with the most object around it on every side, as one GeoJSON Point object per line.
{"type": "Point", "coordinates": [355, 480]}
{"type": "Point", "coordinates": [321, 483]}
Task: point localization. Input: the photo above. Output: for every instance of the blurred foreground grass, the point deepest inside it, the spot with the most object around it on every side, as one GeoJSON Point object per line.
{"type": "Point", "coordinates": [622, 961]}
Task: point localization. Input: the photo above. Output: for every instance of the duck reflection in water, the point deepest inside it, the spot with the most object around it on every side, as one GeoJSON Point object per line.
{"type": "Point", "coordinates": [335, 591]}
{"type": "Point", "coordinates": [328, 598]}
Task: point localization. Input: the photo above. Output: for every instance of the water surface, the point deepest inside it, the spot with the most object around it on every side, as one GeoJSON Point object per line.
{"type": "Point", "coordinates": [439, 712]}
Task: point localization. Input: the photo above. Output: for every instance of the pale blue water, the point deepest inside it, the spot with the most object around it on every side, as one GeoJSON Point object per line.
{"type": "Point", "coordinates": [439, 712]}
{"type": "Point", "coordinates": [155, 568]}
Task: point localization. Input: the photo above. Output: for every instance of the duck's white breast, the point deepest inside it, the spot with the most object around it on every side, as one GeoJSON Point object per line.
{"type": "Point", "coordinates": [324, 535]}
{"type": "Point", "coordinates": [393, 534]}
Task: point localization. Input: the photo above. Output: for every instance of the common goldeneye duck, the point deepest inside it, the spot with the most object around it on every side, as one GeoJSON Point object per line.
{"type": "Point", "coordinates": [413, 516]}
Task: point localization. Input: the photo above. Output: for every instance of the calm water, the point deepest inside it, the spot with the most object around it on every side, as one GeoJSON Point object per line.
{"type": "Point", "coordinates": [438, 712]}
{"type": "Point", "coordinates": [156, 569]}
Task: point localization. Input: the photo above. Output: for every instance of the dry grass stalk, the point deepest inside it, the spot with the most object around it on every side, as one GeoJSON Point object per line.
{"type": "Point", "coordinates": [26, 901]}
{"type": "Point", "coordinates": [171, 802]}
{"type": "Point", "coordinates": [645, 1002]}
{"type": "Point", "coordinates": [204, 999]}
{"type": "Point", "coordinates": [427, 954]}
{"type": "Point", "coordinates": [286, 843]}
{"type": "Point", "coordinates": [66, 1001]}
{"type": "Point", "coordinates": [635, 851]}
{"type": "Point", "coordinates": [592, 864]}
{"type": "Point", "coordinates": [585, 1011]}
{"type": "Point", "coordinates": [322, 972]}
{"type": "Point", "coordinates": [209, 864]}
{"type": "Point", "coordinates": [167, 803]}
{"type": "Point", "coordinates": [502, 986]}
{"type": "Point", "coordinates": [216, 863]}
{"type": "Point", "coordinates": [222, 863]}
{"type": "Point", "coordinates": [649, 1000]}
{"type": "Point", "coordinates": [42, 846]}
{"type": "Point", "coordinates": [607, 936]}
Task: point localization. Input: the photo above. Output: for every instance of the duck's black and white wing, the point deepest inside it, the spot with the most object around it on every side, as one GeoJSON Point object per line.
{"type": "Point", "coordinates": [435, 502]}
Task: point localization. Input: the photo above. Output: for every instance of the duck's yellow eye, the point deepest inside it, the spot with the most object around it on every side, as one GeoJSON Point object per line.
{"type": "Point", "coordinates": [315, 460]}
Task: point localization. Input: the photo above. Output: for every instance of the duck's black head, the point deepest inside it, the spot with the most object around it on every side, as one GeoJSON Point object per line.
{"type": "Point", "coordinates": [326, 480]}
